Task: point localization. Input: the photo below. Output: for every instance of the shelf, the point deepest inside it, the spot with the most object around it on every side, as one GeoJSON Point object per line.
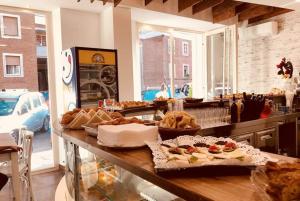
{"type": "Point", "coordinates": [115, 192]}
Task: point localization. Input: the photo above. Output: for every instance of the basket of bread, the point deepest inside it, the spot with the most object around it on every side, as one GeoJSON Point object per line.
{"type": "Point", "coordinates": [177, 123]}
{"type": "Point", "coordinates": [278, 181]}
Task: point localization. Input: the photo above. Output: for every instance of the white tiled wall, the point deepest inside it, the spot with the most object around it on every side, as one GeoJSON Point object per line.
{"type": "Point", "coordinates": [258, 57]}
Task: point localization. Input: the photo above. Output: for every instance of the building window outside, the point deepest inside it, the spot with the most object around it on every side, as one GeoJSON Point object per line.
{"type": "Point", "coordinates": [13, 65]}
{"type": "Point", "coordinates": [10, 26]}
{"type": "Point", "coordinates": [185, 48]}
{"type": "Point", "coordinates": [186, 70]}
{"type": "Point", "coordinates": [41, 40]}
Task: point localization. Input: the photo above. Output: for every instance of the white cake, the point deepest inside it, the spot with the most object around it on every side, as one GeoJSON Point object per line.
{"type": "Point", "coordinates": [128, 135]}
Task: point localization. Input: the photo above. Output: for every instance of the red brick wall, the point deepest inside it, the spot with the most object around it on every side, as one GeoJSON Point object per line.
{"type": "Point", "coordinates": [179, 60]}
{"type": "Point", "coordinates": [26, 46]}
{"type": "Point", "coordinates": [156, 59]}
{"type": "Point", "coordinates": [155, 62]}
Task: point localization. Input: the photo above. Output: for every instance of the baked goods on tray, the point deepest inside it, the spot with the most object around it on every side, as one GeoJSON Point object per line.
{"type": "Point", "coordinates": [177, 123]}
{"type": "Point", "coordinates": [121, 121]}
{"type": "Point", "coordinates": [81, 118]}
{"type": "Point", "coordinates": [131, 104]}
{"type": "Point", "coordinates": [278, 181]}
{"type": "Point", "coordinates": [196, 151]}
{"type": "Point", "coordinates": [178, 119]}
{"type": "Point", "coordinates": [78, 117]}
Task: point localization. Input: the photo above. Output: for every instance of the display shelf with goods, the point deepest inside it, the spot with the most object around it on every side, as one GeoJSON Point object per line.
{"type": "Point", "coordinates": [99, 179]}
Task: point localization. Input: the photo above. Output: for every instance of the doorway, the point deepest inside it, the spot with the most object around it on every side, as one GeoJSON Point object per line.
{"type": "Point", "coordinates": [24, 78]}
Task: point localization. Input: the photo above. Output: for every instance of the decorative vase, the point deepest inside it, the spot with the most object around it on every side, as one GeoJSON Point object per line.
{"type": "Point", "coordinates": [289, 96]}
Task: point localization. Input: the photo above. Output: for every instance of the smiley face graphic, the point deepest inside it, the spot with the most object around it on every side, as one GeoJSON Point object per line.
{"type": "Point", "coordinates": [67, 66]}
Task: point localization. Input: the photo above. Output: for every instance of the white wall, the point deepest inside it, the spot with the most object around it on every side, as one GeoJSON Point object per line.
{"type": "Point", "coordinates": [258, 57]}
{"type": "Point", "coordinates": [111, 29]}
{"type": "Point", "coordinates": [123, 43]}
{"type": "Point", "coordinates": [79, 28]}
{"type": "Point", "coordinates": [107, 29]}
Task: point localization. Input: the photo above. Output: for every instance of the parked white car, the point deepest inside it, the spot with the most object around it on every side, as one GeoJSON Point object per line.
{"type": "Point", "coordinates": [23, 109]}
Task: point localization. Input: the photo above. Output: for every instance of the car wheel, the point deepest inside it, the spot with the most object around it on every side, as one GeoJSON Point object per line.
{"type": "Point", "coordinates": [46, 125]}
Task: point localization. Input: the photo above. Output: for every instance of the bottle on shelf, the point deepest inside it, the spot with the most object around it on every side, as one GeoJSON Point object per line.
{"type": "Point", "coordinates": [234, 111]}
{"type": "Point", "coordinates": [246, 103]}
{"type": "Point", "coordinates": [221, 102]}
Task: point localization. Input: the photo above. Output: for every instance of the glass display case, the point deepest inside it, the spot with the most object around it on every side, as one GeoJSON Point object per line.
{"type": "Point", "coordinates": [88, 75]}
{"type": "Point", "coordinates": [90, 178]}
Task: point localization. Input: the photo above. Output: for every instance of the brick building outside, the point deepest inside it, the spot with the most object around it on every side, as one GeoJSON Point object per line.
{"type": "Point", "coordinates": [155, 62]}
{"type": "Point", "coordinates": [19, 51]}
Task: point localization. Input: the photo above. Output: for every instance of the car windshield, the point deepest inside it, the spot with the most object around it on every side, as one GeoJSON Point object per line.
{"type": "Point", "coordinates": [7, 106]}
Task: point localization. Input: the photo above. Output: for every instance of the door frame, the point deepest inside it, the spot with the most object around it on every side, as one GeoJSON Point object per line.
{"type": "Point", "coordinates": [51, 80]}
{"type": "Point", "coordinates": [234, 59]}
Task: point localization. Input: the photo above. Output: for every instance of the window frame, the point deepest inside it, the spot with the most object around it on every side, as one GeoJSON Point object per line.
{"type": "Point", "coordinates": [188, 67]}
{"type": "Point", "coordinates": [19, 36]}
{"type": "Point", "coordinates": [5, 68]}
{"type": "Point", "coordinates": [187, 49]}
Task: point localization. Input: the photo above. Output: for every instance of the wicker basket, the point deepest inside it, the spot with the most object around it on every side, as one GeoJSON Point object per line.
{"type": "Point", "coordinates": [171, 133]}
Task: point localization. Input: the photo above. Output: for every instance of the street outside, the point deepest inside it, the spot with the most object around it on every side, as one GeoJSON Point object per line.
{"type": "Point", "coordinates": [41, 141]}
{"type": "Point", "coordinates": [42, 156]}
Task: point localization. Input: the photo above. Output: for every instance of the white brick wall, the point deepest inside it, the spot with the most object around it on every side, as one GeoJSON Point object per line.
{"type": "Point", "coordinates": [257, 59]}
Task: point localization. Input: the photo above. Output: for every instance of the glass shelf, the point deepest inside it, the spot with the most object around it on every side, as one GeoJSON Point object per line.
{"type": "Point", "coordinates": [96, 179]}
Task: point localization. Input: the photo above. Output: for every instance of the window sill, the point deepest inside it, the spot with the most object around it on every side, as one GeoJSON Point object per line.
{"type": "Point", "coordinates": [11, 37]}
{"type": "Point", "coordinates": [12, 76]}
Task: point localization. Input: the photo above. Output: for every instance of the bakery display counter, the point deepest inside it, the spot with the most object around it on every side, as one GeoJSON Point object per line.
{"type": "Point", "coordinates": [94, 172]}
{"type": "Point", "coordinates": [277, 134]}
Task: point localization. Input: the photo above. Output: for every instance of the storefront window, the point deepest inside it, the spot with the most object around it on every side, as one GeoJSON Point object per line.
{"type": "Point", "coordinates": [220, 62]}
{"type": "Point", "coordinates": [166, 64]}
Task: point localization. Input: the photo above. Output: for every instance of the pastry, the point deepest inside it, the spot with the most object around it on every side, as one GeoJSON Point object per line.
{"type": "Point", "coordinates": [103, 115]}
{"type": "Point", "coordinates": [66, 119]}
{"type": "Point", "coordinates": [81, 118]}
{"type": "Point", "coordinates": [178, 119]}
{"type": "Point", "coordinates": [95, 119]}
{"type": "Point", "coordinates": [91, 113]}
{"type": "Point", "coordinates": [115, 115]}
{"type": "Point", "coordinates": [283, 181]}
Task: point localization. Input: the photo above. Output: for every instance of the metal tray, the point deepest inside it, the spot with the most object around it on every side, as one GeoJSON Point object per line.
{"type": "Point", "coordinates": [91, 131]}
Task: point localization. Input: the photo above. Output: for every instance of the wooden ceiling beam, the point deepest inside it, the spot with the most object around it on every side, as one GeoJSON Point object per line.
{"type": "Point", "coordinates": [244, 6]}
{"type": "Point", "coordinates": [276, 11]}
{"type": "Point", "coordinates": [254, 12]}
{"type": "Point", "coordinates": [225, 10]}
{"type": "Point", "coordinates": [116, 2]}
{"type": "Point", "coordinates": [205, 4]}
{"type": "Point", "coordinates": [104, 1]}
{"type": "Point", "coordinates": [147, 2]}
{"type": "Point", "coordinates": [183, 4]}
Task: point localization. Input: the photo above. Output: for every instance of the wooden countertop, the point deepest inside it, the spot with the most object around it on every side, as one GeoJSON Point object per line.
{"type": "Point", "coordinates": [191, 187]}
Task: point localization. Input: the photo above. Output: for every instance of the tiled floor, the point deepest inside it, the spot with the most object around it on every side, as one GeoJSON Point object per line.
{"type": "Point", "coordinates": [44, 187]}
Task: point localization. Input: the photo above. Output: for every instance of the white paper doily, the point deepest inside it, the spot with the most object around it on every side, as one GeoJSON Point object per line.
{"type": "Point", "coordinates": [255, 156]}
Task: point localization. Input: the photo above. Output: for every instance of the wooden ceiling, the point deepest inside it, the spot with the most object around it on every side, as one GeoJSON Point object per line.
{"type": "Point", "coordinates": [223, 9]}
